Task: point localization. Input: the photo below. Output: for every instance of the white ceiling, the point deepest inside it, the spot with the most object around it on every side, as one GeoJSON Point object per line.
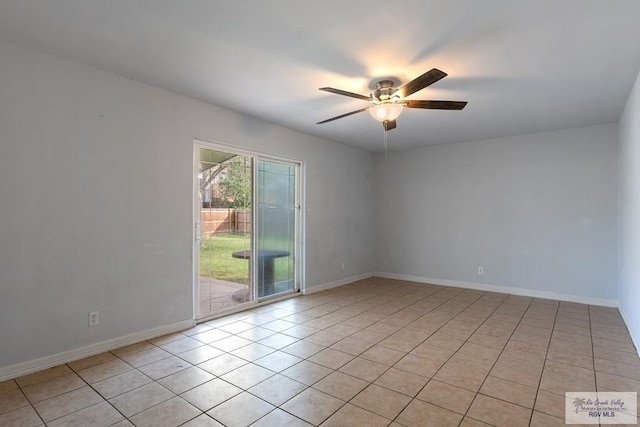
{"type": "Point", "coordinates": [524, 66]}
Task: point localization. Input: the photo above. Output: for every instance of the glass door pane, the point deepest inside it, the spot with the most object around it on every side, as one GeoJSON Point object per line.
{"type": "Point", "coordinates": [224, 230]}
{"type": "Point", "coordinates": [276, 227]}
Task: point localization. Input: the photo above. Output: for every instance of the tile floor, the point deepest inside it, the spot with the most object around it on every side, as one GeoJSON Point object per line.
{"type": "Point", "coordinates": [218, 294]}
{"type": "Point", "coordinates": [374, 353]}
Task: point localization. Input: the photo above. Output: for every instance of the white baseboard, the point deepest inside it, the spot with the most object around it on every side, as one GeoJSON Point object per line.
{"type": "Point", "coordinates": [635, 334]}
{"type": "Point", "coordinates": [503, 289]}
{"type": "Point", "coordinates": [330, 285]}
{"type": "Point", "coordinates": [31, 366]}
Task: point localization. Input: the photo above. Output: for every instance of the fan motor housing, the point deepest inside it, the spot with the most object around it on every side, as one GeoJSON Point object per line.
{"type": "Point", "coordinates": [384, 90]}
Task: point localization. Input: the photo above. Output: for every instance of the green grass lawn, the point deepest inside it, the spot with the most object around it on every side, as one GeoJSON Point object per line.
{"type": "Point", "coordinates": [216, 260]}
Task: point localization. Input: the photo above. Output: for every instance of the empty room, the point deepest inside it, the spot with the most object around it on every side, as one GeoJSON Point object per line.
{"type": "Point", "coordinates": [319, 213]}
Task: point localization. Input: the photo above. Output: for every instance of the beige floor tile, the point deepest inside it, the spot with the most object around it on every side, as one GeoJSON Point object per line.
{"type": "Point", "coordinates": [200, 354]}
{"type": "Point", "coordinates": [278, 417]}
{"type": "Point", "coordinates": [509, 391]}
{"type": "Point", "coordinates": [122, 423]}
{"type": "Point", "coordinates": [364, 369]}
{"type": "Point", "coordinates": [351, 336]}
{"type": "Point", "coordinates": [418, 365]}
{"type": "Point", "coordinates": [481, 351]}
{"type": "Point", "coordinates": [313, 406]}
{"type": "Point", "coordinates": [436, 354]}
{"type": "Point", "coordinates": [139, 399]}
{"type": "Point", "coordinates": [341, 385]}
{"type": "Point", "coordinates": [212, 335]}
{"type": "Point", "coordinates": [539, 419]}
{"type": "Point", "coordinates": [568, 347]}
{"type": "Point", "coordinates": [220, 365]}
{"type": "Point", "coordinates": [351, 346]}
{"type": "Point", "coordinates": [203, 420]}
{"type": "Point", "coordinates": [331, 358]}
{"type": "Point", "coordinates": [381, 401]}
{"type": "Point", "coordinates": [303, 349]}
{"type": "Point", "coordinates": [550, 404]}
{"type": "Point", "coordinates": [133, 348]}
{"type": "Point", "coordinates": [618, 368]}
{"type": "Point", "coordinates": [210, 394]}
{"type": "Point", "coordinates": [527, 348]}
{"type": "Point", "coordinates": [419, 413]}
{"type": "Point", "coordinates": [240, 326]}
{"type": "Point", "coordinates": [498, 412]}
{"type": "Point", "coordinates": [447, 396]}
{"type": "Point", "coordinates": [256, 334]}
{"type": "Point", "coordinates": [67, 403]}
{"type": "Point", "coordinates": [307, 372]}
{"type": "Point", "coordinates": [181, 345]}
{"type": "Point", "coordinates": [47, 374]}
{"type": "Point", "coordinates": [383, 355]}
{"type": "Point", "coordinates": [278, 341]}
{"type": "Point", "coordinates": [559, 378]}
{"type": "Point", "coordinates": [122, 383]}
{"type": "Point", "coordinates": [278, 361]}
{"type": "Point", "coordinates": [352, 416]}
{"type": "Point", "coordinates": [165, 367]}
{"type": "Point", "coordinates": [470, 422]}
{"type": "Point", "coordinates": [616, 355]}
{"type": "Point", "coordinates": [53, 387]}
{"type": "Point", "coordinates": [174, 411]}
{"type": "Point", "coordinates": [9, 385]}
{"type": "Point", "coordinates": [145, 357]}
{"type": "Point", "coordinates": [103, 371]}
{"type": "Point", "coordinates": [91, 361]}
{"type": "Point", "coordinates": [616, 382]}
{"type": "Point", "coordinates": [247, 376]}
{"type": "Point", "coordinates": [489, 340]}
{"type": "Point", "coordinates": [231, 343]}
{"type": "Point", "coordinates": [25, 416]}
{"type": "Point", "coordinates": [324, 338]}
{"type": "Point", "coordinates": [457, 374]}
{"type": "Point", "coordinates": [164, 339]}
{"type": "Point", "coordinates": [98, 415]}
{"type": "Point", "coordinates": [402, 381]}
{"type": "Point", "coordinates": [575, 359]}
{"type": "Point", "coordinates": [11, 400]}
{"type": "Point", "coordinates": [277, 389]}
{"type": "Point", "coordinates": [252, 351]}
{"type": "Point", "coordinates": [186, 380]}
{"type": "Point", "coordinates": [241, 410]}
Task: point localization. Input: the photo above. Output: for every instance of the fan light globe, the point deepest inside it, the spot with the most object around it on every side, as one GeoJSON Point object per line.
{"type": "Point", "coordinates": [386, 111]}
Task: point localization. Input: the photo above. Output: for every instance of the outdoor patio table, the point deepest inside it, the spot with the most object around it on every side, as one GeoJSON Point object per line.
{"type": "Point", "coordinates": [266, 260]}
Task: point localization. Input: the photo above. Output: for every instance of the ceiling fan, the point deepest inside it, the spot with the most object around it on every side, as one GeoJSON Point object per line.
{"type": "Point", "coordinates": [388, 101]}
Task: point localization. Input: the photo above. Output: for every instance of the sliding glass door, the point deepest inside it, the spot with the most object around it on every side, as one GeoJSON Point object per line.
{"type": "Point", "coordinates": [276, 225]}
{"type": "Point", "coordinates": [246, 225]}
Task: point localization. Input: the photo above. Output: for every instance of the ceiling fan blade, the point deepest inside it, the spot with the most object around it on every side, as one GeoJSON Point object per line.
{"type": "Point", "coordinates": [436, 105]}
{"type": "Point", "coordinates": [343, 115]}
{"type": "Point", "coordinates": [345, 93]}
{"type": "Point", "coordinates": [389, 125]}
{"type": "Point", "coordinates": [419, 83]}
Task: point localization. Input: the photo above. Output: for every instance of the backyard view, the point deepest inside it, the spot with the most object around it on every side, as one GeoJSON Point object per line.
{"type": "Point", "coordinates": [216, 257]}
{"type": "Point", "coordinates": [225, 220]}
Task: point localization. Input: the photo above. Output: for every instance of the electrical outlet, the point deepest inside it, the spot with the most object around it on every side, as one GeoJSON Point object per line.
{"type": "Point", "coordinates": [342, 266]}
{"type": "Point", "coordinates": [480, 271]}
{"type": "Point", "coordinates": [93, 318]}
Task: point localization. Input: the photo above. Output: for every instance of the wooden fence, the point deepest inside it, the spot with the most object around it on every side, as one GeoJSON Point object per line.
{"type": "Point", "coordinates": [230, 221]}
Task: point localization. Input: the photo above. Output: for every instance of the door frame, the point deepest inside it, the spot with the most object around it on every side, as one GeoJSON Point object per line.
{"type": "Point", "coordinates": [300, 263]}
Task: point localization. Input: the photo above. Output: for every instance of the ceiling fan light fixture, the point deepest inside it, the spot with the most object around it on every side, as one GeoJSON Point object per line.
{"type": "Point", "coordinates": [386, 111]}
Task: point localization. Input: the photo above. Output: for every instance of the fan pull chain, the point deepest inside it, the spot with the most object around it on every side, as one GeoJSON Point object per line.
{"type": "Point", "coordinates": [385, 139]}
